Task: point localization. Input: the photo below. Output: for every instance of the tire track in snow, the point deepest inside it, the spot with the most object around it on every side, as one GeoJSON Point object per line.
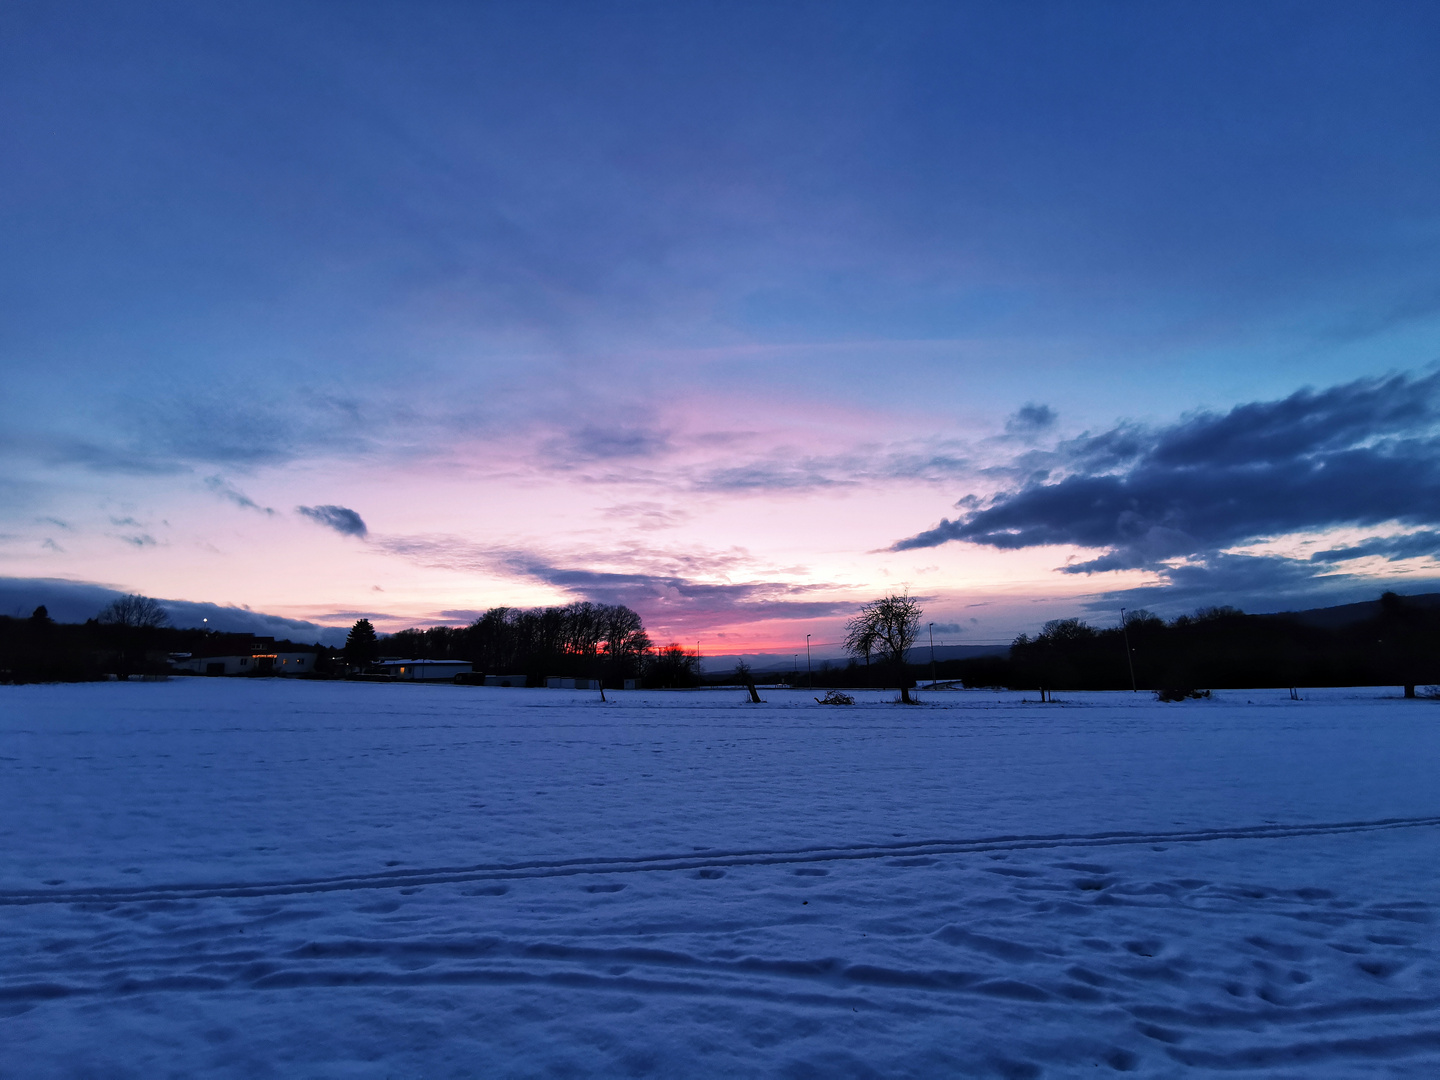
{"type": "Point", "coordinates": [24, 996]}
{"type": "Point", "coordinates": [400, 879]}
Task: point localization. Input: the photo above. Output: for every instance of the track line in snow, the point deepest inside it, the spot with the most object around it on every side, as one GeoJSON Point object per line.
{"type": "Point", "coordinates": [398, 879]}
{"type": "Point", "coordinates": [1315, 1051]}
{"type": "Point", "coordinates": [364, 978]}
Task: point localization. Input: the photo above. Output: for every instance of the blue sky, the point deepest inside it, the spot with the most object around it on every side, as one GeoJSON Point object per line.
{"type": "Point", "coordinates": [653, 291]}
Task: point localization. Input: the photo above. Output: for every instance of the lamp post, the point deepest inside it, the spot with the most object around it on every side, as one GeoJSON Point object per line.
{"type": "Point", "coordinates": [795, 667]}
{"type": "Point", "coordinates": [1125, 630]}
{"type": "Point", "coordinates": [932, 656]}
{"type": "Point", "coordinates": [809, 671]}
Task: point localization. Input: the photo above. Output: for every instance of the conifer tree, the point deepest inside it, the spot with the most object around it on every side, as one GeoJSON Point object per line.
{"type": "Point", "coordinates": [361, 645]}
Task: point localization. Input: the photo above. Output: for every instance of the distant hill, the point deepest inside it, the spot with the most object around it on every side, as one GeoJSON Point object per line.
{"type": "Point", "coordinates": [1332, 618]}
{"type": "Point", "coordinates": [920, 654]}
{"type": "Point", "coordinates": [76, 601]}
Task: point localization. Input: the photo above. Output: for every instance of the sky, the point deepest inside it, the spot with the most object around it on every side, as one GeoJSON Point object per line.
{"type": "Point", "coordinates": [740, 314]}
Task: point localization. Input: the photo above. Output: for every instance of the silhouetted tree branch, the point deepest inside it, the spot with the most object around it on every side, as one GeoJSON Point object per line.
{"type": "Point", "coordinates": [889, 627]}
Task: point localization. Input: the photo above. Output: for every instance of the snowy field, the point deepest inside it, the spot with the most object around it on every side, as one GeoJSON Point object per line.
{"type": "Point", "coordinates": [265, 878]}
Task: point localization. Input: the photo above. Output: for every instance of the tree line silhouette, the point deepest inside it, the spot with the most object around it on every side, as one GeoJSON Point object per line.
{"type": "Point", "coordinates": [1219, 647]}
{"type": "Point", "coordinates": [582, 639]}
{"type": "Point", "coordinates": [129, 637]}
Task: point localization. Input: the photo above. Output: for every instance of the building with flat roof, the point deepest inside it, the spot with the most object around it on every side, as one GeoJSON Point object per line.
{"type": "Point", "coordinates": [258, 663]}
{"type": "Point", "coordinates": [423, 670]}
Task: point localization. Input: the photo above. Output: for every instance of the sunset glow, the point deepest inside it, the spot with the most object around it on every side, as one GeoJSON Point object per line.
{"type": "Point", "coordinates": [372, 313]}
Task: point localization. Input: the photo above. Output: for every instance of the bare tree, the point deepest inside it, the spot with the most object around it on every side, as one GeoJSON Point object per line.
{"type": "Point", "coordinates": [888, 627]}
{"type": "Point", "coordinates": [130, 620]}
{"type": "Point", "coordinates": [624, 641]}
{"type": "Point", "coordinates": [672, 667]}
{"type": "Point", "coordinates": [746, 678]}
{"type": "Point", "coordinates": [134, 612]}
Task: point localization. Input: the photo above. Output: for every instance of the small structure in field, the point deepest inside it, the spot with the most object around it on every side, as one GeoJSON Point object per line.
{"type": "Point", "coordinates": [504, 680]}
{"type": "Point", "coordinates": [564, 682]}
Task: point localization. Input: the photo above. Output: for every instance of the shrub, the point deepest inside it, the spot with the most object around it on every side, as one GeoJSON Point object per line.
{"type": "Point", "coordinates": [1180, 695]}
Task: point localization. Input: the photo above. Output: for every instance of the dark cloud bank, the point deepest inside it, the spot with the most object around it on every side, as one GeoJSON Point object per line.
{"type": "Point", "coordinates": [76, 601]}
{"type": "Point", "coordinates": [1364, 454]}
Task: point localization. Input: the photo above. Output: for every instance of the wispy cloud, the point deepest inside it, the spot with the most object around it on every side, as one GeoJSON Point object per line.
{"type": "Point", "coordinates": [647, 515]}
{"type": "Point", "coordinates": [227, 491]}
{"type": "Point", "coordinates": [771, 475]}
{"type": "Point", "coordinates": [340, 518]}
{"type": "Point", "coordinates": [1030, 419]}
{"type": "Point", "coordinates": [103, 458]}
{"type": "Point", "coordinates": [171, 432]}
{"type": "Point", "coordinates": [1395, 548]}
{"type": "Point", "coordinates": [667, 588]}
{"type": "Point", "coordinates": [922, 461]}
{"type": "Point", "coordinates": [611, 442]}
{"type": "Point", "coordinates": [246, 431]}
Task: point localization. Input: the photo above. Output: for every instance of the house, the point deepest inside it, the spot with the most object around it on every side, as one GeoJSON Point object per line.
{"type": "Point", "coordinates": [423, 670]}
{"type": "Point", "coordinates": [264, 663]}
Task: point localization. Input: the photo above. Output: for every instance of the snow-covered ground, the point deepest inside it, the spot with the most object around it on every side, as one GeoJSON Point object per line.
{"type": "Point", "coordinates": [266, 878]}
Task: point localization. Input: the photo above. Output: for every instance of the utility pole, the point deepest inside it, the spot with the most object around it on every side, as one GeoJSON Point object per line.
{"type": "Point", "coordinates": [932, 656]}
{"type": "Point", "coordinates": [1125, 630]}
{"type": "Point", "coordinates": [795, 667]}
{"type": "Point", "coordinates": [809, 671]}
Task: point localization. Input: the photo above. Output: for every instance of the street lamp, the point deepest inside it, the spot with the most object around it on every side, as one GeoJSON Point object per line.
{"type": "Point", "coordinates": [809, 671]}
{"type": "Point", "coordinates": [1125, 630]}
{"type": "Point", "coordinates": [795, 667]}
{"type": "Point", "coordinates": [932, 656]}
